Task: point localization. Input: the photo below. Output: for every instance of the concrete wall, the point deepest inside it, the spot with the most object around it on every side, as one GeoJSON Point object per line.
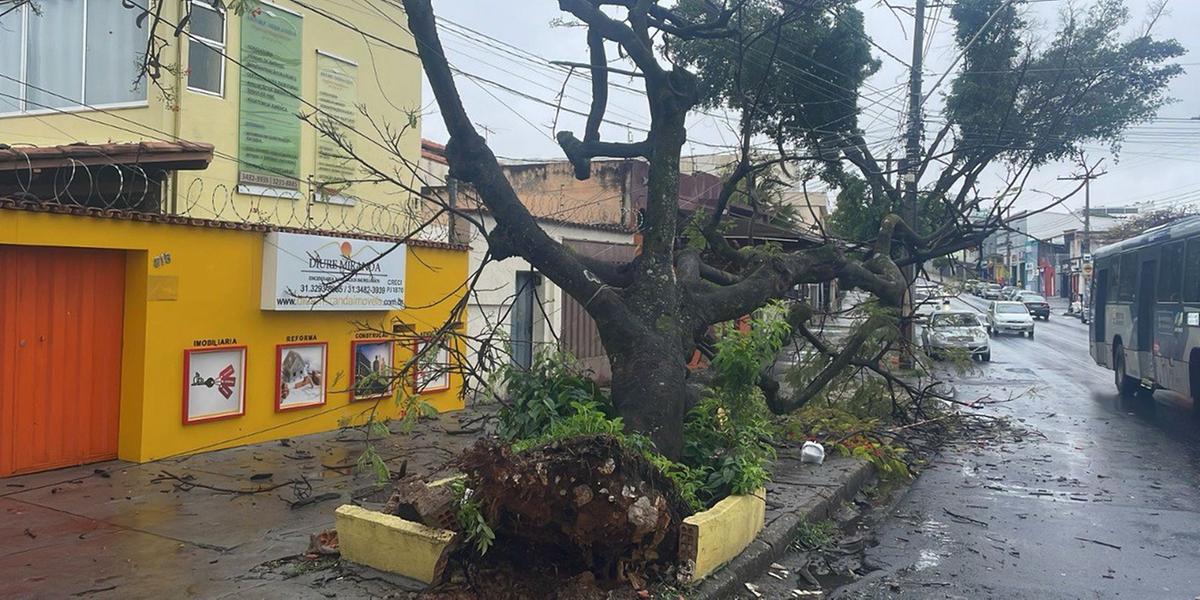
{"type": "Point", "coordinates": [551, 190]}
{"type": "Point", "coordinates": [216, 275]}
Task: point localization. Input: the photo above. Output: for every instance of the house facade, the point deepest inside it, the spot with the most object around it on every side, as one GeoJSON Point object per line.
{"type": "Point", "coordinates": [193, 252]}
{"type": "Point", "coordinates": [73, 71]}
{"type": "Point", "coordinates": [514, 313]}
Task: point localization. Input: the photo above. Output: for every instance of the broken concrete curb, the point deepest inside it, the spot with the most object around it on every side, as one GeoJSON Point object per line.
{"type": "Point", "coordinates": [773, 541]}
{"type": "Point", "coordinates": [393, 545]}
{"type": "Point", "coordinates": [709, 539]}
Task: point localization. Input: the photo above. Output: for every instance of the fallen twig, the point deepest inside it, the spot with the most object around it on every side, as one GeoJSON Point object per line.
{"type": "Point", "coordinates": [312, 499]}
{"type": "Point", "coordinates": [1098, 542]}
{"type": "Point", "coordinates": [188, 482]}
{"type": "Point", "coordinates": [963, 517]}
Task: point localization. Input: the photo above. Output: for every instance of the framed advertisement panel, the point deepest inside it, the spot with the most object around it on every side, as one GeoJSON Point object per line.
{"type": "Point", "coordinates": [371, 369]}
{"type": "Point", "coordinates": [300, 375]}
{"type": "Point", "coordinates": [214, 383]}
{"type": "Point", "coordinates": [432, 372]}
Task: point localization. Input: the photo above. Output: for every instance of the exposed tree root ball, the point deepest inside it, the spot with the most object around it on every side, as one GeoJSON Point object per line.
{"type": "Point", "coordinates": [587, 501]}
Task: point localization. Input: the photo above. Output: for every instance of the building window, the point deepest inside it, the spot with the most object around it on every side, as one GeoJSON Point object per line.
{"type": "Point", "coordinates": [206, 49]}
{"type": "Point", "coordinates": [70, 54]}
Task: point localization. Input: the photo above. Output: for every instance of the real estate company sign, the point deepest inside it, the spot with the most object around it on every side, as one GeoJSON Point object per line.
{"type": "Point", "coordinates": [316, 272]}
{"type": "Point", "coordinates": [269, 100]}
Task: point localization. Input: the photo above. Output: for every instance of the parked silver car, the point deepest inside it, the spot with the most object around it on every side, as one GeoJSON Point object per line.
{"type": "Point", "coordinates": [951, 331]}
{"type": "Point", "coordinates": [1009, 317]}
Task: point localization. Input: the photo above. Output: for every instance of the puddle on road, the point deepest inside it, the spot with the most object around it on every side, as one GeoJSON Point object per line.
{"type": "Point", "coordinates": [927, 559]}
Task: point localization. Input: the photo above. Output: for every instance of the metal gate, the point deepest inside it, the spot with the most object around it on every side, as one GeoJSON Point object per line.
{"type": "Point", "coordinates": [579, 334]}
{"type": "Point", "coordinates": [61, 317]}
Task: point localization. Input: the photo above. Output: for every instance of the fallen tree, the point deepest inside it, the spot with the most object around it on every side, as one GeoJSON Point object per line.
{"type": "Point", "coordinates": [653, 312]}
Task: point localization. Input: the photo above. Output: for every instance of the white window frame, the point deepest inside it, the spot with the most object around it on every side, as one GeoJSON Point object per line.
{"type": "Point", "coordinates": [83, 106]}
{"type": "Point", "coordinates": [221, 48]}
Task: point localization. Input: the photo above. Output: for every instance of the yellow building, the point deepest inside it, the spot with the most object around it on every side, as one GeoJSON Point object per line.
{"type": "Point", "coordinates": [166, 247]}
{"type": "Point", "coordinates": [70, 72]}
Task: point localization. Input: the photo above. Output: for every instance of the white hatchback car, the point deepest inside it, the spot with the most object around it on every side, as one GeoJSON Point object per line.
{"type": "Point", "coordinates": [949, 331]}
{"type": "Point", "coordinates": [1009, 317]}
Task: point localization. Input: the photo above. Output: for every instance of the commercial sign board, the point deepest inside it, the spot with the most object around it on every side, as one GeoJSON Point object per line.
{"type": "Point", "coordinates": [269, 100]}
{"type": "Point", "coordinates": [315, 272]}
{"type": "Point", "coordinates": [337, 115]}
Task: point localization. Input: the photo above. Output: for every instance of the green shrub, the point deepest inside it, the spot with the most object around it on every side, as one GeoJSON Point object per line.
{"type": "Point", "coordinates": [728, 435]}
{"type": "Point", "coordinates": [542, 395]}
{"type": "Point", "coordinates": [589, 419]}
{"type": "Point", "coordinates": [586, 418]}
{"type": "Point", "coordinates": [728, 450]}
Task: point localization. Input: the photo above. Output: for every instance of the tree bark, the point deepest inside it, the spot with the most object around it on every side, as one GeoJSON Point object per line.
{"type": "Point", "coordinates": [649, 389]}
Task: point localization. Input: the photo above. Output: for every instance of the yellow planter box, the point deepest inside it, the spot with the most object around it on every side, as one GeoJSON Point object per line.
{"type": "Point", "coordinates": [709, 539]}
{"type": "Point", "coordinates": [391, 544]}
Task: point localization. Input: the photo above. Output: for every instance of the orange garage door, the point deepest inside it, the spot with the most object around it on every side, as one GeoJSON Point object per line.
{"type": "Point", "coordinates": [61, 314]}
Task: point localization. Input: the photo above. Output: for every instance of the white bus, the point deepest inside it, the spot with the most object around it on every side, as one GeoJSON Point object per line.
{"type": "Point", "coordinates": [1146, 310]}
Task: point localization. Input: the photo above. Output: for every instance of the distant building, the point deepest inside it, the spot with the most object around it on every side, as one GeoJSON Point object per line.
{"type": "Point", "coordinates": [1037, 249]}
{"type": "Point", "coordinates": [811, 207]}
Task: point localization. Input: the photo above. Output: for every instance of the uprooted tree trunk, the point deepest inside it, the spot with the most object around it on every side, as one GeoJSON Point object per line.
{"type": "Point", "coordinates": [587, 501]}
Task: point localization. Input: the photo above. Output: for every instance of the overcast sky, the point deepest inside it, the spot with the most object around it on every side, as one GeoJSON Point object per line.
{"type": "Point", "coordinates": [510, 42]}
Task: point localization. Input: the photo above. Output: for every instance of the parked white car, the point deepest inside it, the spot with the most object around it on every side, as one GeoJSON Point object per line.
{"type": "Point", "coordinates": [956, 330]}
{"type": "Point", "coordinates": [1009, 317]}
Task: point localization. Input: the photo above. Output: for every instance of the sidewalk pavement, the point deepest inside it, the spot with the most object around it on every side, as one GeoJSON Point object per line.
{"type": "Point", "coordinates": [124, 530]}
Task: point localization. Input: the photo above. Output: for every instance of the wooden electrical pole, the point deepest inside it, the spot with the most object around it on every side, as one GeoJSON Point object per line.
{"type": "Point", "coordinates": [1085, 245]}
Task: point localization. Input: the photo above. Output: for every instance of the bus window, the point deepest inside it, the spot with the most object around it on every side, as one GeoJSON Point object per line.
{"type": "Point", "coordinates": [1127, 276]}
{"type": "Point", "coordinates": [1170, 273]}
{"type": "Point", "coordinates": [1191, 273]}
{"type": "Point", "coordinates": [1114, 274]}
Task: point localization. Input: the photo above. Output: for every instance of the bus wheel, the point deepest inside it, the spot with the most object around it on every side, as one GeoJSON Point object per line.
{"type": "Point", "coordinates": [1126, 386]}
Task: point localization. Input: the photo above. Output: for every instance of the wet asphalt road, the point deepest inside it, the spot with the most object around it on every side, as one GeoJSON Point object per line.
{"type": "Point", "coordinates": [1114, 472]}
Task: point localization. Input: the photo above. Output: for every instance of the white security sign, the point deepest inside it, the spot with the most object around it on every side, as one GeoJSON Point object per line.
{"type": "Point", "coordinates": [316, 272]}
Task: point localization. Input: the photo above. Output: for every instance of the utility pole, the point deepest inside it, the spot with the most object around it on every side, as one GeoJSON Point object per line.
{"type": "Point", "coordinates": [1011, 275]}
{"type": "Point", "coordinates": [909, 165]}
{"type": "Point", "coordinates": [1085, 245]}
